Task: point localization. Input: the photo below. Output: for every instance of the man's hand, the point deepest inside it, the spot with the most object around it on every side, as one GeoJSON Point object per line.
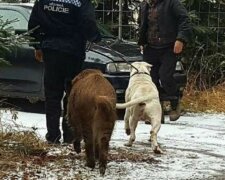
{"type": "Point", "coordinates": [178, 47]}
{"type": "Point", "coordinates": [38, 55]}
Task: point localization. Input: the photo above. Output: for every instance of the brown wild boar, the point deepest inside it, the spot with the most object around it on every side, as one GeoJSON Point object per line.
{"type": "Point", "coordinates": [92, 114]}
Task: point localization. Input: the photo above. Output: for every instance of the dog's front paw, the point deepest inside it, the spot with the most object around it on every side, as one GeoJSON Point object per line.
{"type": "Point", "coordinates": [157, 150]}
{"type": "Point", "coordinates": [128, 131]}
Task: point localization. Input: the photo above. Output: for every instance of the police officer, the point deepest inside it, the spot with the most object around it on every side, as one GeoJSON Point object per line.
{"type": "Point", "coordinates": [62, 27]}
{"type": "Point", "coordinates": [164, 30]}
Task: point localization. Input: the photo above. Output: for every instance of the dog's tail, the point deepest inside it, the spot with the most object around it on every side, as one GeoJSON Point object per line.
{"type": "Point", "coordinates": [134, 102]}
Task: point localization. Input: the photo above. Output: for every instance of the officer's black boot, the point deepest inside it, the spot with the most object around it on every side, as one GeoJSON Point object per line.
{"type": "Point", "coordinates": [53, 113]}
{"type": "Point", "coordinates": [51, 139]}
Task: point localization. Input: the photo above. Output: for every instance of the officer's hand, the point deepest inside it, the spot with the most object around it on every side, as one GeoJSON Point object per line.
{"type": "Point", "coordinates": [178, 47]}
{"type": "Point", "coordinates": [38, 55]}
{"type": "Point", "coordinates": [141, 49]}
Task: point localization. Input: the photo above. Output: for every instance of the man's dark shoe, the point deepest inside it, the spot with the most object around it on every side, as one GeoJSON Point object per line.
{"type": "Point", "coordinates": [175, 114]}
{"type": "Point", "coordinates": [147, 122]}
{"type": "Point", "coordinates": [68, 140]}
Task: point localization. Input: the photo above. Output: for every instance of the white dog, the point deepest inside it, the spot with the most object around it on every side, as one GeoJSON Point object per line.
{"type": "Point", "coordinates": [142, 102]}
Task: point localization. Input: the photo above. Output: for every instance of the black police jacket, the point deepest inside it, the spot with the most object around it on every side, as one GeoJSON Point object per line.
{"type": "Point", "coordinates": [64, 25]}
{"type": "Point", "coordinates": [173, 23]}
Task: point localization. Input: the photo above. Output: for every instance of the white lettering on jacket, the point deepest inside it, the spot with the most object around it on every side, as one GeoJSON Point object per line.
{"type": "Point", "coordinates": [56, 8]}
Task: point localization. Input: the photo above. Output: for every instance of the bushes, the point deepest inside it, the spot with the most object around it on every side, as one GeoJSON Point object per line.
{"type": "Point", "coordinates": [205, 56]}
{"type": "Point", "coordinates": [8, 39]}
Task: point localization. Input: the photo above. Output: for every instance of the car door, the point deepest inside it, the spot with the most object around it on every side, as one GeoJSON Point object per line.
{"type": "Point", "coordinates": [24, 78]}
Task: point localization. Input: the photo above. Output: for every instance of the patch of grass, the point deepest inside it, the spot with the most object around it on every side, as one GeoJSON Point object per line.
{"type": "Point", "coordinates": [17, 146]}
{"type": "Point", "coordinates": [122, 155]}
{"type": "Point", "coordinates": [207, 100]}
{"type": "Point", "coordinates": [22, 142]}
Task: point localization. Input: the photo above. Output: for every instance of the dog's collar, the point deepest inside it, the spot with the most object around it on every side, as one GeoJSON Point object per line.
{"type": "Point", "coordinates": [139, 73]}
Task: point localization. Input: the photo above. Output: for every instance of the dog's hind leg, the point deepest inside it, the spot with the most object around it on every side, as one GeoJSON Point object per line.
{"type": "Point", "coordinates": [153, 134]}
{"type": "Point", "coordinates": [133, 121]}
{"type": "Point", "coordinates": [154, 143]}
{"type": "Point", "coordinates": [126, 121]}
{"type": "Point", "coordinates": [156, 124]}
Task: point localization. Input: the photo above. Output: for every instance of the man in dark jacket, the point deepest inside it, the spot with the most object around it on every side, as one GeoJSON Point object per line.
{"type": "Point", "coordinates": [62, 27]}
{"type": "Point", "coordinates": [164, 30]}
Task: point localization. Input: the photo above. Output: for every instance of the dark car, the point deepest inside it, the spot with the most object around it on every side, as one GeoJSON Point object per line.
{"type": "Point", "coordinates": [24, 78]}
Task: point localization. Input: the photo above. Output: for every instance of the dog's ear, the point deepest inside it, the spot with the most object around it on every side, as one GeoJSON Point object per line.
{"type": "Point", "coordinates": [132, 65]}
{"type": "Point", "coordinates": [132, 69]}
{"type": "Point", "coordinates": [148, 66]}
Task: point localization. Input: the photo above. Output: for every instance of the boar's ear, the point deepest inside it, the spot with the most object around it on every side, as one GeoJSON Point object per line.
{"type": "Point", "coordinates": [85, 73]}
{"type": "Point", "coordinates": [75, 80]}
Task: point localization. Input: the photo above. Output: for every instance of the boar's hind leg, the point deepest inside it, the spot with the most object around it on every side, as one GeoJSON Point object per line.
{"type": "Point", "coordinates": [103, 153]}
{"type": "Point", "coordinates": [77, 134]}
{"type": "Point", "coordinates": [76, 143]}
{"type": "Point", "coordinates": [89, 147]}
{"type": "Point", "coordinates": [97, 151]}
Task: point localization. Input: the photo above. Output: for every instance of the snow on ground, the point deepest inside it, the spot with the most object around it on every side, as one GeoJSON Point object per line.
{"type": "Point", "coordinates": [194, 148]}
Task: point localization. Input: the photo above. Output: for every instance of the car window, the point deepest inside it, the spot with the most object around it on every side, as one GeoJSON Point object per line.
{"type": "Point", "coordinates": [19, 24]}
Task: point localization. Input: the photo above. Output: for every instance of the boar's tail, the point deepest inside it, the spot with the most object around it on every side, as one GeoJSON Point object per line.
{"type": "Point", "coordinates": [106, 105]}
{"type": "Point", "coordinates": [105, 118]}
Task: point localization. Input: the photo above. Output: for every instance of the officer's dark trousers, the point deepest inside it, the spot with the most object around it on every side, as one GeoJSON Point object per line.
{"type": "Point", "coordinates": [164, 64]}
{"type": "Point", "coordinates": [60, 69]}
